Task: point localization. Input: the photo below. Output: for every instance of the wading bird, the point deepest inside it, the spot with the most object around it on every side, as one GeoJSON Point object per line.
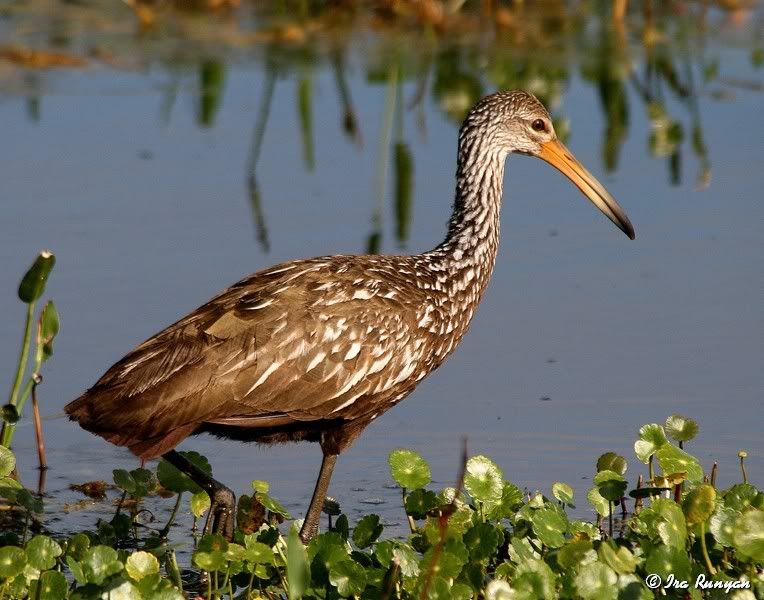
{"type": "Point", "coordinates": [315, 350]}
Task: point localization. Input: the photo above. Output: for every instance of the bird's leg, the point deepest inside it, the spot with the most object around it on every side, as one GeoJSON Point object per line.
{"type": "Point", "coordinates": [310, 525]}
{"type": "Point", "coordinates": [222, 499]}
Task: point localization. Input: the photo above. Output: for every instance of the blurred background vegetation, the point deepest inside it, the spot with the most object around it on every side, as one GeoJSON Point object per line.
{"type": "Point", "coordinates": [452, 52]}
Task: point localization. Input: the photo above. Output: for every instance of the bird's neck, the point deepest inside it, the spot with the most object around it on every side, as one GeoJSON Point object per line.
{"type": "Point", "coordinates": [469, 251]}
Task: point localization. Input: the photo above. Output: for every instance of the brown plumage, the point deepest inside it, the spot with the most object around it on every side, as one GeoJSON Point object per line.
{"type": "Point", "coordinates": [316, 349]}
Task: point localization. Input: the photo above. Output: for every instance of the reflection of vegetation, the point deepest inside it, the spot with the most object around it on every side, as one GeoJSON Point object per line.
{"type": "Point", "coordinates": [633, 54]}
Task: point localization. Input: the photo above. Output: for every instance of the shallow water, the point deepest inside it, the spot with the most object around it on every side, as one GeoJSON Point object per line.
{"type": "Point", "coordinates": [135, 171]}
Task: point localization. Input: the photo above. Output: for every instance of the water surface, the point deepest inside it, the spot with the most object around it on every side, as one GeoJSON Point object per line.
{"type": "Point", "coordinates": [180, 159]}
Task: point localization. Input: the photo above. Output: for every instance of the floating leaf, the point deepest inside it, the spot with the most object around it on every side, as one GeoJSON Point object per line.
{"type": "Point", "coordinates": [7, 462]}
{"type": "Point", "coordinates": [367, 531]}
{"type": "Point", "coordinates": [651, 437]}
{"type": "Point", "coordinates": [673, 459]}
{"type": "Point", "coordinates": [748, 535]}
{"type": "Point", "coordinates": [409, 469]}
{"type": "Point", "coordinates": [550, 526]}
{"type": "Point", "coordinates": [42, 552]}
{"type": "Point", "coordinates": [610, 461]}
{"type": "Point", "coordinates": [596, 581]}
{"type": "Point", "coordinates": [483, 480]}
{"type": "Point", "coordinates": [646, 492]}
{"type": "Point", "coordinates": [348, 577]}
{"type": "Point", "coordinates": [33, 283]}
{"type": "Point", "coordinates": [141, 564]}
{"type": "Point", "coordinates": [699, 504]}
{"type": "Point", "coordinates": [680, 428]}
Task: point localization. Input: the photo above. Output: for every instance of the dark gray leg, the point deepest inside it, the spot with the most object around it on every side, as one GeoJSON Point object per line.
{"type": "Point", "coordinates": [310, 526]}
{"type": "Point", "coordinates": [223, 508]}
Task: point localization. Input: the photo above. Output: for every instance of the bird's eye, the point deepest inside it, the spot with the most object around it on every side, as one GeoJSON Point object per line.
{"type": "Point", "coordinates": [538, 125]}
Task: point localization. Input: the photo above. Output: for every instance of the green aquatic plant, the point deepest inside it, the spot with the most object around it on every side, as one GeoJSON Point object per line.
{"type": "Point", "coordinates": [484, 538]}
{"type": "Point", "coordinates": [31, 288]}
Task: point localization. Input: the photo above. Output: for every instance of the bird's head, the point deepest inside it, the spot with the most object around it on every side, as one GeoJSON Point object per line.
{"type": "Point", "coordinates": [516, 122]}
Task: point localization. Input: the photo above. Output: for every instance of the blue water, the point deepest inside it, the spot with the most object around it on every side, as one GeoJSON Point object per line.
{"type": "Point", "coordinates": [582, 337]}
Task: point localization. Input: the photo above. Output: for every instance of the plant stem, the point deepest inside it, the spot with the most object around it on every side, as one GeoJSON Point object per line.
{"type": "Point", "coordinates": [704, 550]}
{"type": "Point", "coordinates": [650, 469]}
{"type": "Point", "coordinates": [38, 424]}
{"type": "Point", "coordinates": [412, 523]}
{"type": "Point", "coordinates": [7, 431]}
{"type": "Point", "coordinates": [742, 468]}
{"type": "Point", "coordinates": [610, 518]}
{"type": "Point", "coordinates": [166, 529]}
{"type": "Point", "coordinates": [714, 469]}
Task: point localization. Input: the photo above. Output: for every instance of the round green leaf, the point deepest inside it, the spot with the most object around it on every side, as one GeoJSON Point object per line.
{"type": "Point", "coordinates": [482, 540]}
{"type": "Point", "coordinates": [213, 543]}
{"type": "Point", "coordinates": [670, 523]}
{"type": "Point", "coordinates": [420, 502]}
{"type": "Point", "coordinates": [673, 459]}
{"type": "Point", "coordinates": [52, 585]}
{"type": "Point", "coordinates": [563, 492]}
{"type": "Point", "coordinates": [596, 581]}
{"type": "Point", "coordinates": [698, 505]}
{"type": "Point", "coordinates": [409, 469]}
{"type": "Point", "coordinates": [610, 461]}
{"type": "Point", "coordinates": [618, 558]}
{"type": "Point", "coordinates": [534, 579]}
{"type": "Point", "coordinates": [140, 564]}
{"type": "Point", "coordinates": [483, 480]}
{"type": "Point", "coordinates": [348, 577]}
{"type": "Point", "coordinates": [610, 484]}
{"type": "Point", "coordinates": [273, 505]}
{"type": "Point", "coordinates": [681, 428]}
{"type": "Point", "coordinates": [748, 535]}
{"type": "Point", "coordinates": [665, 560]}
{"type": "Point", "coordinates": [367, 531]}
{"type": "Point", "coordinates": [406, 559]}
{"type": "Point", "coordinates": [651, 437]}
{"type": "Point", "coordinates": [32, 284]}
{"type": "Point", "coordinates": [175, 481]}
{"type": "Point", "coordinates": [257, 552]}
{"type": "Point", "coordinates": [12, 561]}
{"type": "Point", "coordinates": [740, 496]}
{"type": "Point", "coordinates": [99, 563]}
{"type": "Point", "coordinates": [42, 552]}
{"type": "Point", "coordinates": [125, 591]}
{"type": "Point", "coordinates": [7, 462]}
{"type": "Point", "coordinates": [210, 561]}
{"type": "Point", "coordinates": [598, 501]}
{"type": "Point", "coordinates": [722, 525]}
{"type": "Point", "coordinates": [550, 527]}
{"type": "Point", "coordinates": [575, 553]}
{"type": "Point", "coordinates": [123, 480]}
{"type": "Point", "coordinates": [199, 503]}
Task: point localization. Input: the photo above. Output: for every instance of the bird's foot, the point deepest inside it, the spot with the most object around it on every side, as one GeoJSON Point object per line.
{"type": "Point", "coordinates": [222, 513]}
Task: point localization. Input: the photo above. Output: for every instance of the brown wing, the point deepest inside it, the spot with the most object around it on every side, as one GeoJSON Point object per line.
{"type": "Point", "coordinates": [303, 341]}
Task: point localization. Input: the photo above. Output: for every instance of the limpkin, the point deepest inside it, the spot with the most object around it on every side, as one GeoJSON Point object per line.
{"type": "Point", "coordinates": [316, 349]}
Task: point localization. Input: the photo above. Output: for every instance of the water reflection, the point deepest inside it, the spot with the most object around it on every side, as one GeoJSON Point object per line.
{"type": "Point", "coordinates": [451, 52]}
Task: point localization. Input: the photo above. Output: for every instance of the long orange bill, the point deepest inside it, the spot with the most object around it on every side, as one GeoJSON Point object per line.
{"type": "Point", "coordinates": [557, 155]}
